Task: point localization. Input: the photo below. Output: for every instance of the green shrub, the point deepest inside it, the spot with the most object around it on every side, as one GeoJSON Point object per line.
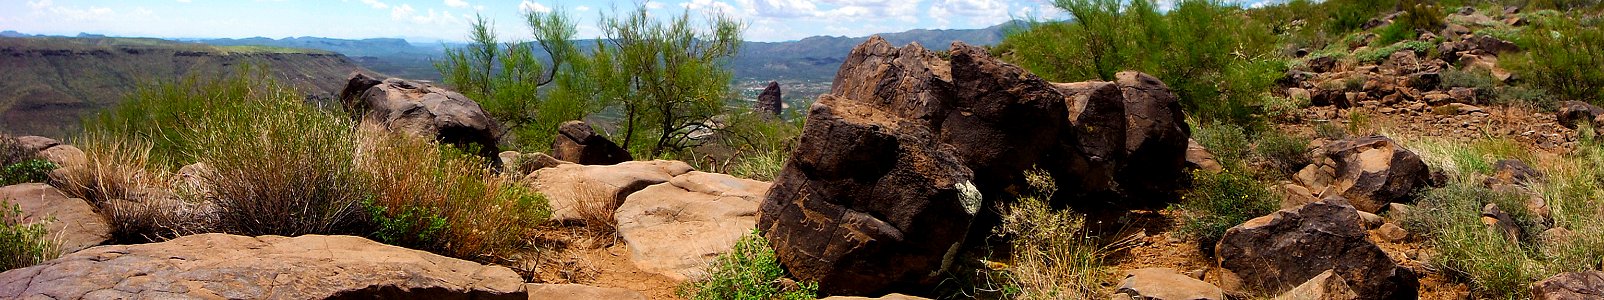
{"type": "Point", "coordinates": [1379, 54]}
{"type": "Point", "coordinates": [748, 271]}
{"type": "Point", "coordinates": [1220, 201]}
{"type": "Point", "coordinates": [34, 170]}
{"type": "Point", "coordinates": [22, 245]}
{"type": "Point", "coordinates": [1228, 142]}
{"type": "Point", "coordinates": [1286, 153]}
{"type": "Point", "coordinates": [1052, 253]}
{"type": "Point", "coordinates": [1564, 56]}
{"type": "Point", "coordinates": [1330, 131]}
{"type": "Point", "coordinates": [1525, 95]}
{"type": "Point", "coordinates": [1396, 32]}
{"type": "Point", "coordinates": [1349, 15]}
{"type": "Point", "coordinates": [1450, 218]}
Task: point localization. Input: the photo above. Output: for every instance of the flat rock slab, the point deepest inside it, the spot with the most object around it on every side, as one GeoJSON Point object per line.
{"type": "Point", "coordinates": [1166, 284]}
{"type": "Point", "coordinates": [579, 292]}
{"type": "Point", "coordinates": [217, 266]}
{"type": "Point", "coordinates": [676, 228]}
{"type": "Point", "coordinates": [72, 222]}
{"type": "Point", "coordinates": [573, 188]}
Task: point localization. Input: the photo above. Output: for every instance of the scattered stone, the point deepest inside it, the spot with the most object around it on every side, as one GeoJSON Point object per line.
{"type": "Point", "coordinates": [420, 109]}
{"type": "Point", "coordinates": [1165, 283]}
{"type": "Point", "coordinates": [769, 102]}
{"type": "Point", "coordinates": [1291, 246]}
{"type": "Point", "coordinates": [575, 191]}
{"type": "Point", "coordinates": [1497, 219]}
{"type": "Point", "coordinates": [1398, 210]}
{"type": "Point", "coordinates": [1322, 64]}
{"type": "Point", "coordinates": [1199, 158]}
{"type": "Point", "coordinates": [1570, 286]}
{"type": "Point", "coordinates": [71, 222]}
{"type": "Point", "coordinates": [1327, 286]}
{"type": "Point", "coordinates": [1402, 63]}
{"type": "Point", "coordinates": [1370, 220]}
{"type": "Point", "coordinates": [1513, 172]}
{"type": "Point", "coordinates": [676, 228]}
{"type": "Point", "coordinates": [218, 266]}
{"type": "Point", "coordinates": [1369, 171]}
{"type": "Point", "coordinates": [577, 142]}
{"type": "Point", "coordinates": [1392, 233]}
{"type": "Point", "coordinates": [579, 292]}
{"type": "Point", "coordinates": [1572, 113]}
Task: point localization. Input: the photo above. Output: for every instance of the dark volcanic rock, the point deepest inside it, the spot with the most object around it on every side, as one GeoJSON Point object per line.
{"type": "Point", "coordinates": [769, 101]}
{"type": "Point", "coordinates": [423, 110]}
{"type": "Point", "coordinates": [1003, 119]}
{"type": "Point", "coordinates": [1369, 171]}
{"type": "Point", "coordinates": [1572, 113]}
{"type": "Point", "coordinates": [576, 142]}
{"type": "Point", "coordinates": [1155, 142]}
{"type": "Point", "coordinates": [1096, 138]}
{"type": "Point", "coordinates": [1272, 253]}
{"type": "Point", "coordinates": [1570, 286]}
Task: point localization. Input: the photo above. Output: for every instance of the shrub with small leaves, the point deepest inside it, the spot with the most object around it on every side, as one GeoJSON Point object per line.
{"type": "Point", "coordinates": [1219, 201]}
{"type": "Point", "coordinates": [33, 170]}
{"type": "Point", "coordinates": [748, 271]}
{"type": "Point", "coordinates": [22, 245]}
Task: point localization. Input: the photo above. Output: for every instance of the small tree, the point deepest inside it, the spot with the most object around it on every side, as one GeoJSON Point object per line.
{"type": "Point", "coordinates": [508, 79]}
{"type": "Point", "coordinates": [667, 78]}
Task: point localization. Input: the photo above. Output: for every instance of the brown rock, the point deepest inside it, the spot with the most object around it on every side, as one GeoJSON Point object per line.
{"type": "Point", "coordinates": [1512, 171]}
{"type": "Point", "coordinates": [1096, 135]}
{"type": "Point", "coordinates": [1155, 143]}
{"type": "Point", "coordinates": [423, 110]}
{"type": "Point", "coordinates": [769, 102]}
{"type": "Point", "coordinates": [1322, 64]}
{"type": "Point", "coordinates": [1402, 63]}
{"type": "Point", "coordinates": [71, 222]}
{"type": "Point", "coordinates": [573, 190]}
{"type": "Point", "coordinates": [1166, 284]}
{"type": "Point", "coordinates": [1392, 233]}
{"type": "Point", "coordinates": [64, 156]}
{"type": "Point", "coordinates": [1002, 119]}
{"type": "Point", "coordinates": [34, 144]}
{"type": "Point", "coordinates": [1500, 221]}
{"type": "Point", "coordinates": [577, 142]}
{"type": "Point", "coordinates": [217, 266]}
{"type": "Point", "coordinates": [1570, 286]}
{"type": "Point", "coordinates": [1368, 171]}
{"type": "Point", "coordinates": [1296, 245]}
{"type": "Point", "coordinates": [1327, 286]}
{"type": "Point", "coordinates": [539, 291]}
{"type": "Point", "coordinates": [1572, 113]}
{"type": "Point", "coordinates": [525, 163]}
{"type": "Point", "coordinates": [1199, 158]}
{"type": "Point", "coordinates": [676, 228]}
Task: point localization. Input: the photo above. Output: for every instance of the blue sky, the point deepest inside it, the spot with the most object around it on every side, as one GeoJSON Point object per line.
{"type": "Point", "coordinates": [434, 20]}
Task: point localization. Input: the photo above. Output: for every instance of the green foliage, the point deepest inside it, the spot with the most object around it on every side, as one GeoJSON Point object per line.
{"type": "Point", "coordinates": [1330, 131]}
{"type": "Point", "coordinates": [1420, 16]}
{"type": "Point", "coordinates": [415, 225]}
{"type": "Point", "coordinates": [508, 79]}
{"type": "Point", "coordinates": [759, 144]}
{"type": "Point", "coordinates": [33, 170]}
{"type": "Point", "coordinates": [1228, 142]}
{"type": "Point", "coordinates": [22, 245]}
{"type": "Point", "coordinates": [1219, 201]}
{"type": "Point", "coordinates": [1053, 254]}
{"type": "Point", "coordinates": [166, 114]}
{"type": "Point", "coordinates": [748, 271]}
{"type": "Point", "coordinates": [1286, 153]}
{"type": "Point", "coordinates": [1450, 217]}
{"type": "Point", "coordinates": [1344, 16]}
{"type": "Point", "coordinates": [1564, 56]}
{"type": "Point", "coordinates": [1377, 55]}
{"type": "Point", "coordinates": [1217, 76]}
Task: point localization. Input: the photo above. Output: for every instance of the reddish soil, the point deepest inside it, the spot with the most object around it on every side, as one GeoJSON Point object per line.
{"type": "Point", "coordinates": [569, 255]}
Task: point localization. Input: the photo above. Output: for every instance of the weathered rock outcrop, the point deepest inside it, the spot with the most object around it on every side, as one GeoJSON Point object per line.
{"type": "Point", "coordinates": [51, 150]}
{"type": "Point", "coordinates": [71, 222]}
{"type": "Point", "coordinates": [1271, 253]}
{"type": "Point", "coordinates": [1166, 284]}
{"type": "Point", "coordinates": [1572, 113]}
{"type": "Point", "coordinates": [579, 292]}
{"type": "Point", "coordinates": [575, 190]}
{"type": "Point", "coordinates": [1327, 286]}
{"type": "Point", "coordinates": [239, 267]}
{"type": "Point", "coordinates": [423, 110]}
{"type": "Point", "coordinates": [1369, 171]}
{"type": "Point", "coordinates": [1570, 286]}
{"type": "Point", "coordinates": [769, 102]}
{"type": "Point", "coordinates": [676, 228]}
{"type": "Point", "coordinates": [577, 142]}
{"type": "Point", "coordinates": [897, 160]}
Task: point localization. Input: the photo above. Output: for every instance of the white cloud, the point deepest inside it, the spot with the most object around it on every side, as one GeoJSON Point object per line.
{"type": "Point", "coordinates": [527, 6]}
{"type": "Point", "coordinates": [184, 1]}
{"type": "Point", "coordinates": [974, 12]}
{"type": "Point", "coordinates": [376, 4]}
{"type": "Point", "coordinates": [402, 12]}
{"type": "Point", "coordinates": [654, 5]}
{"type": "Point", "coordinates": [39, 4]}
{"type": "Point", "coordinates": [710, 5]}
{"type": "Point", "coordinates": [457, 3]}
{"type": "Point", "coordinates": [581, 8]}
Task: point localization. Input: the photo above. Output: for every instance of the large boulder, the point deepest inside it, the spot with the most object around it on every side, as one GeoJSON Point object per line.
{"type": "Point", "coordinates": [769, 102]}
{"type": "Point", "coordinates": [1273, 252]}
{"type": "Point", "coordinates": [1166, 284]}
{"type": "Point", "coordinates": [676, 228]}
{"type": "Point", "coordinates": [1570, 286]}
{"type": "Point", "coordinates": [577, 142]}
{"type": "Point", "coordinates": [1327, 286]}
{"type": "Point", "coordinates": [219, 266]}
{"type": "Point", "coordinates": [1572, 113]}
{"type": "Point", "coordinates": [71, 222]}
{"type": "Point", "coordinates": [424, 110]}
{"type": "Point", "coordinates": [1156, 137]}
{"type": "Point", "coordinates": [1369, 171]}
{"type": "Point", "coordinates": [577, 192]}
{"type": "Point", "coordinates": [1095, 147]}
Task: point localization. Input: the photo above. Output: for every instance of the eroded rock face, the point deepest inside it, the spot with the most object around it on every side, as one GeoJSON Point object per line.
{"type": "Point", "coordinates": [896, 162]}
{"type": "Point", "coordinates": [71, 222]}
{"type": "Point", "coordinates": [572, 189]}
{"type": "Point", "coordinates": [1272, 252]}
{"type": "Point", "coordinates": [1327, 286]}
{"type": "Point", "coordinates": [238, 267]}
{"type": "Point", "coordinates": [769, 102]}
{"type": "Point", "coordinates": [423, 110]}
{"type": "Point", "coordinates": [1570, 286]}
{"type": "Point", "coordinates": [1369, 171]}
{"type": "Point", "coordinates": [676, 228]}
{"type": "Point", "coordinates": [577, 142]}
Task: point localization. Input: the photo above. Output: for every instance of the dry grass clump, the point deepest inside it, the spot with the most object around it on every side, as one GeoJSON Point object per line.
{"type": "Point", "coordinates": [434, 197]}
{"type": "Point", "coordinates": [22, 245]}
{"type": "Point", "coordinates": [596, 207]}
{"type": "Point", "coordinates": [1053, 255]}
{"type": "Point", "coordinates": [124, 182]}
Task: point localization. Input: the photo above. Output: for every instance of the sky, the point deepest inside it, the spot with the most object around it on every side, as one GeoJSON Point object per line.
{"type": "Point", "coordinates": [422, 21]}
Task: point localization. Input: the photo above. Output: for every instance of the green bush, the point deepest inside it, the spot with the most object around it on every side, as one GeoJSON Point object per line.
{"type": "Point", "coordinates": [1228, 142]}
{"type": "Point", "coordinates": [1330, 131]}
{"type": "Point", "coordinates": [1286, 153]}
{"type": "Point", "coordinates": [1564, 56]}
{"type": "Point", "coordinates": [748, 271]}
{"type": "Point", "coordinates": [1349, 15]}
{"type": "Point", "coordinates": [34, 170]}
{"type": "Point", "coordinates": [1220, 201]}
{"type": "Point", "coordinates": [22, 245]}
{"type": "Point", "coordinates": [1216, 76]}
{"type": "Point", "coordinates": [1378, 55]}
{"type": "Point", "coordinates": [1051, 252]}
{"type": "Point", "coordinates": [1396, 32]}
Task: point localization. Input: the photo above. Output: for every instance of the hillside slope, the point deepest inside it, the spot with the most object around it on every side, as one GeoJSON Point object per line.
{"type": "Point", "coordinates": [52, 82]}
